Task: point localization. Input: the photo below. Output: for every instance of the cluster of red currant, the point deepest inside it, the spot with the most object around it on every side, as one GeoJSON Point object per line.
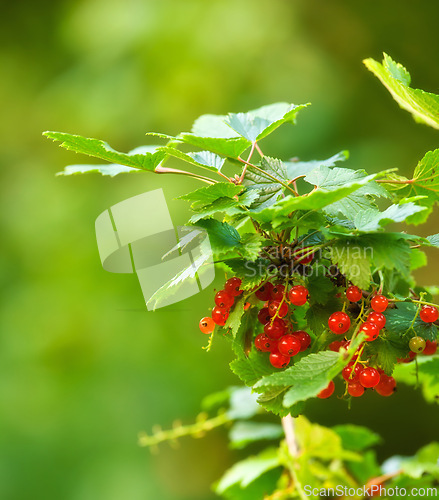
{"type": "Point", "coordinates": [278, 337]}
{"type": "Point", "coordinates": [358, 376]}
{"type": "Point", "coordinates": [282, 342]}
{"type": "Point", "coordinates": [224, 300]}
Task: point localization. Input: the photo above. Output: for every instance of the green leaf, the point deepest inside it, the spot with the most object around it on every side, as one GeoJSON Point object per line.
{"type": "Point", "coordinates": [259, 123]}
{"type": "Point", "coordinates": [422, 105]}
{"type": "Point", "coordinates": [267, 187]}
{"type": "Point", "coordinates": [211, 193]}
{"type": "Point", "coordinates": [400, 319]}
{"type": "Point", "coordinates": [272, 401]}
{"type": "Point", "coordinates": [386, 350]}
{"type": "Point", "coordinates": [112, 170]}
{"type": "Point", "coordinates": [317, 315]}
{"type": "Point", "coordinates": [248, 470]}
{"type": "Point", "coordinates": [147, 160]}
{"type": "Point", "coordinates": [252, 367]}
{"type": "Point", "coordinates": [305, 378]}
{"type": "Point", "coordinates": [320, 288]}
{"type": "Point", "coordinates": [252, 273]}
{"type": "Point", "coordinates": [226, 242]}
{"type": "Point", "coordinates": [234, 320]}
{"type": "Point", "coordinates": [353, 260]}
{"type": "Point", "coordinates": [313, 201]}
{"type": "Point", "coordinates": [332, 179]}
{"type": "Point", "coordinates": [425, 183]}
{"type": "Point", "coordinates": [372, 219]}
{"type": "Point", "coordinates": [356, 437]}
{"type": "Point", "coordinates": [244, 433]}
{"type": "Point", "coordinates": [301, 168]}
{"type": "Point", "coordinates": [203, 159]}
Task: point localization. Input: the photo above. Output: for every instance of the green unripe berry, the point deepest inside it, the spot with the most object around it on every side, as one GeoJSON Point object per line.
{"type": "Point", "coordinates": [417, 344]}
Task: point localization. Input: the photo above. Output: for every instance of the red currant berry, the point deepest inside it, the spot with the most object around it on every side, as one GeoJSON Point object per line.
{"type": "Point", "coordinates": [355, 389]}
{"type": "Point", "coordinates": [232, 286]}
{"type": "Point", "coordinates": [276, 308]}
{"type": "Point", "coordinates": [298, 295]}
{"type": "Point", "coordinates": [386, 385]}
{"type": "Point", "coordinates": [429, 314]}
{"type": "Point", "coordinates": [378, 319]}
{"type": "Point", "coordinates": [275, 329]}
{"type": "Point", "coordinates": [279, 360]}
{"type": "Point", "coordinates": [371, 331]}
{"type": "Point", "coordinates": [264, 293]}
{"type": "Point", "coordinates": [264, 343]}
{"type": "Point", "coordinates": [350, 374]}
{"type": "Point", "coordinates": [354, 294]}
{"type": "Point", "coordinates": [219, 316]}
{"type": "Point", "coordinates": [304, 260]}
{"type": "Point", "coordinates": [379, 303]}
{"type": "Point", "coordinates": [417, 344]}
{"type": "Point", "coordinates": [289, 345]}
{"type": "Point", "coordinates": [304, 338]}
{"type": "Point", "coordinates": [369, 377]}
{"type": "Point", "coordinates": [247, 306]}
{"type": "Point", "coordinates": [327, 392]}
{"type": "Point", "coordinates": [264, 316]}
{"type": "Point", "coordinates": [278, 292]}
{"type": "Point", "coordinates": [224, 300]}
{"type": "Point", "coordinates": [430, 348]}
{"type": "Point", "coordinates": [339, 322]}
{"type": "Point", "coordinates": [207, 325]}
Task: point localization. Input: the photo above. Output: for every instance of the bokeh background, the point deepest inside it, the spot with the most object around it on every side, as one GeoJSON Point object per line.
{"type": "Point", "coordinates": [83, 366]}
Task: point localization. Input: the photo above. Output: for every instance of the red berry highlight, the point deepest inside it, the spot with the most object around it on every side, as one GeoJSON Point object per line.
{"type": "Point", "coordinates": [304, 338]}
{"type": "Point", "coordinates": [339, 322]}
{"type": "Point", "coordinates": [430, 348]}
{"type": "Point", "coordinates": [289, 345]}
{"type": "Point", "coordinates": [378, 319]}
{"type": "Point", "coordinates": [264, 343]}
{"type": "Point", "coordinates": [232, 286]}
{"type": "Point", "coordinates": [278, 292]}
{"type": "Point", "coordinates": [279, 360]}
{"type": "Point", "coordinates": [207, 325]}
{"type": "Point", "coordinates": [224, 300]}
{"type": "Point", "coordinates": [371, 330]}
{"type": "Point", "coordinates": [275, 329]}
{"type": "Point", "coordinates": [386, 386]}
{"type": "Point", "coordinates": [355, 389]}
{"type": "Point", "coordinates": [350, 374]}
{"type": "Point", "coordinates": [219, 316]}
{"type": "Point", "coordinates": [298, 295]}
{"type": "Point", "coordinates": [369, 377]}
{"type": "Point", "coordinates": [276, 308]}
{"type": "Point", "coordinates": [379, 303]}
{"type": "Point", "coordinates": [429, 314]}
{"type": "Point", "coordinates": [354, 294]}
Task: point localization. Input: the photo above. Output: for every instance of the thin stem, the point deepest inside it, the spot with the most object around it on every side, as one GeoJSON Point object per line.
{"type": "Point", "coordinates": [166, 170]}
{"type": "Point", "coordinates": [244, 170]}
{"type": "Point", "coordinates": [258, 149]}
{"type": "Point", "coordinates": [202, 425]}
{"type": "Point", "coordinates": [384, 181]}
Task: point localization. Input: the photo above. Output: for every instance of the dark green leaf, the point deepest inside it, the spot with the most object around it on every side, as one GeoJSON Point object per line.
{"type": "Point", "coordinates": [400, 319]}
{"type": "Point", "coordinates": [355, 437]}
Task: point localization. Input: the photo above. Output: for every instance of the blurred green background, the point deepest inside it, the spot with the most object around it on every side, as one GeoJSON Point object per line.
{"type": "Point", "coordinates": [83, 366]}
